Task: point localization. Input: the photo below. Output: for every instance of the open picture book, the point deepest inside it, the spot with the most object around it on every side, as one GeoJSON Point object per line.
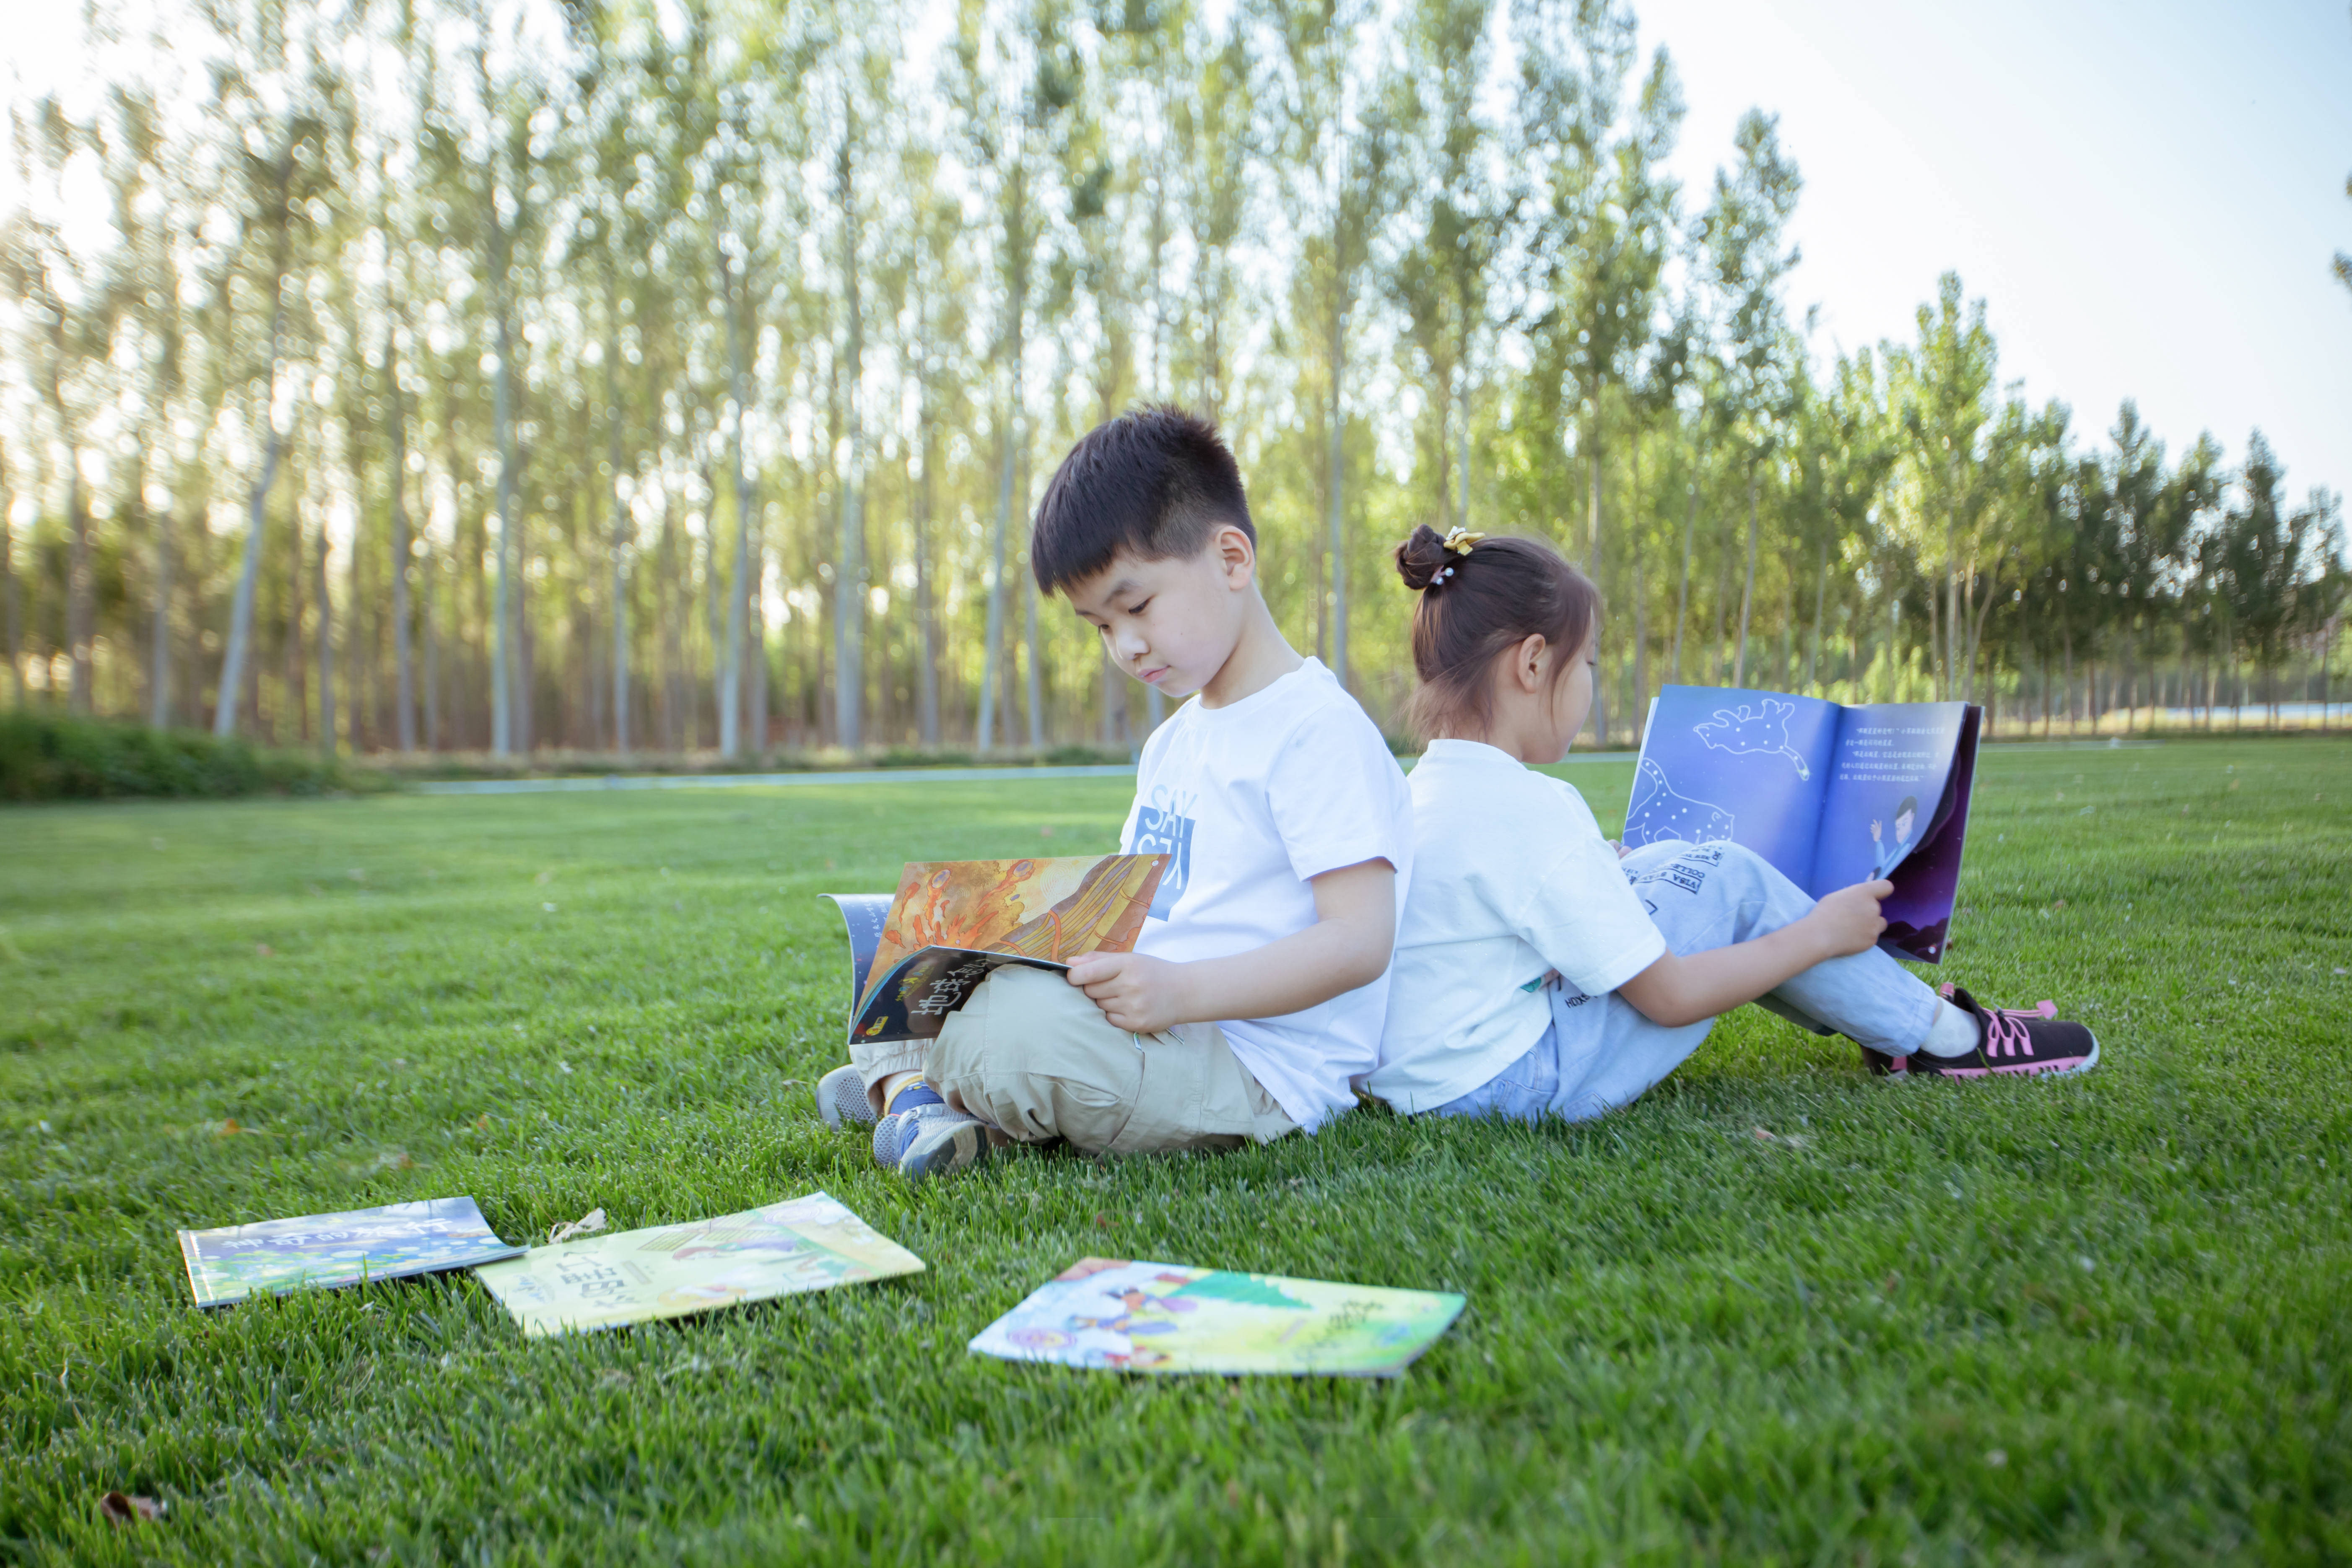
{"type": "Point", "coordinates": [1829, 794]}
{"type": "Point", "coordinates": [1114, 1314]}
{"type": "Point", "coordinates": [811, 1243]}
{"type": "Point", "coordinates": [273, 1256]}
{"type": "Point", "coordinates": [916, 955]}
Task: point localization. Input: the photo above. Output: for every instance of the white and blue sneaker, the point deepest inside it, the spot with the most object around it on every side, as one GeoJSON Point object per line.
{"type": "Point", "coordinates": [893, 1132]}
{"type": "Point", "coordinates": [942, 1140]}
{"type": "Point", "coordinates": [841, 1099]}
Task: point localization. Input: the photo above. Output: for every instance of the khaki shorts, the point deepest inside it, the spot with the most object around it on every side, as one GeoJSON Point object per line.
{"type": "Point", "coordinates": [1032, 1054]}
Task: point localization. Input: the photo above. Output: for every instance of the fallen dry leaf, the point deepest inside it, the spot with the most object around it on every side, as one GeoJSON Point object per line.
{"type": "Point", "coordinates": [263, 950]}
{"type": "Point", "coordinates": [482, 1122]}
{"type": "Point", "coordinates": [127, 1508]}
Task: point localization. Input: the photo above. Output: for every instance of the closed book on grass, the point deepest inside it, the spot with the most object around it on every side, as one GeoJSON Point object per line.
{"type": "Point", "coordinates": [273, 1256]}
{"type": "Point", "coordinates": [671, 1271]}
{"type": "Point", "coordinates": [1123, 1316]}
{"type": "Point", "coordinates": [1829, 794]}
{"type": "Point", "coordinates": [917, 954]}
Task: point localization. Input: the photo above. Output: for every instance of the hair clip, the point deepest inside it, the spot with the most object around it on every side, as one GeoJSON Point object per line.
{"type": "Point", "coordinates": [1459, 540]}
{"type": "Point", "coordinates": [1440, 576]}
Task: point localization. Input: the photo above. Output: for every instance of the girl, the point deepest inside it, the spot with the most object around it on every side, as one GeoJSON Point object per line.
{"type": "Point", "coordinates": [1540, 971]}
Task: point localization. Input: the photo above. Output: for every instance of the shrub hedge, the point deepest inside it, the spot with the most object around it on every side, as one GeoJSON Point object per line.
{"type": "Point", "coordinates": [46, 756]}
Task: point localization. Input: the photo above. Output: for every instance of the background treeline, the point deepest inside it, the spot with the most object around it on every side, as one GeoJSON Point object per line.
{"type": "Point", "coordinates": [680, 375]}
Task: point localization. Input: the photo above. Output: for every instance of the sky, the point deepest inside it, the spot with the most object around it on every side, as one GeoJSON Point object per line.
{"type": "Point", "coordinates": [2146, 194]}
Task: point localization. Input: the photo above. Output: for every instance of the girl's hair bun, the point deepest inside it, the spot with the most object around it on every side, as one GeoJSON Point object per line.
{"type": "Point", "coordinates": [1421, 558]}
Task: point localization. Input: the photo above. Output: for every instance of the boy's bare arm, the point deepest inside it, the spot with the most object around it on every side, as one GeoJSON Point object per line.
{"type": "Point", "coordinates": [1348, 946]}
{"type": "Point", "coordinates": [1678, 990]}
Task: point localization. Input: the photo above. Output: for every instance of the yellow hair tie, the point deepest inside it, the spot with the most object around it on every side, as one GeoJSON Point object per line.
{"type": "Point", "coordinates": [1460, 539]}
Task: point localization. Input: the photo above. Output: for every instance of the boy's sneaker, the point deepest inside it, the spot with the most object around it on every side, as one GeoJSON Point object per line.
{"type": "Point", "coordinates": [896, 1131]}
{"type": "Point", "coordinates": [2009, 1040]}
{"type": "Point", "coordinates": [841, 1099]}
{"type": "Point", "coordinates": [942, 1140]}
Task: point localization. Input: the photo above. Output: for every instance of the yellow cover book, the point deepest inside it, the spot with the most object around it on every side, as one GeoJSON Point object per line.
{"type": "Point", "coordinates": [812, 1243]}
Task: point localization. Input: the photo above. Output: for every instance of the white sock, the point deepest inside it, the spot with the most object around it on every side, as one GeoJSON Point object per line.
{"type": "Point", "coordinates": [1954, 1033]}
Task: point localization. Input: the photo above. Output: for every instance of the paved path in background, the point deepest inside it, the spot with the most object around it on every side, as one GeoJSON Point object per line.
{"type": "Point", "coordinates": [865, 776]}
{"type": "Point", "coordinates": [746, 781]}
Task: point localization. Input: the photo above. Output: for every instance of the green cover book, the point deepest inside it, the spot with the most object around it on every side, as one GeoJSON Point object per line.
{"type": "Point", "coordinates": [811, 1243]}
{"type": "Point", "coordinates": [1123, 1316]}
{"type": "Point", "coordinates": [233, 1262]}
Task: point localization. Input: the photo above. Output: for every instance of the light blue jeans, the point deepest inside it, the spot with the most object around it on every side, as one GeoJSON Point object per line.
{"type": "Point", "coordinates": [1702, 897]}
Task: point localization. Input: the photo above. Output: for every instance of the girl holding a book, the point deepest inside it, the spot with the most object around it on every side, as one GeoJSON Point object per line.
{"type": "Point", "coordinates": [1540, 970]}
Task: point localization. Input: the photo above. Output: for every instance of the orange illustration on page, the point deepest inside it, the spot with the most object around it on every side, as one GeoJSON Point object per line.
{"type": "Point", "coordinates": [1056, 909]}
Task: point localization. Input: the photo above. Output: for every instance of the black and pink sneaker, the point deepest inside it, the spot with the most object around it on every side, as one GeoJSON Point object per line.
{"type": "Point", "coordinates": [2009, 1040]}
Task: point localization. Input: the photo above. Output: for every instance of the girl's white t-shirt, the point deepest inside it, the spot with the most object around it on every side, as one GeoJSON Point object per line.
{"type": "Point", "coordinates": [1248, 802]}
{"type": "Point", "coordinates": [1515, 892]}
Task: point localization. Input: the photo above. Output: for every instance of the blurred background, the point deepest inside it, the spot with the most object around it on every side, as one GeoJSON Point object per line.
{"type": "Point", "coordinates": [553, 378]}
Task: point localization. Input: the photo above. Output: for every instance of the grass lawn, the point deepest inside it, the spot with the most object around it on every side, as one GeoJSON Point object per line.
{"type": "Point", "coordinates": [2105, 1320]}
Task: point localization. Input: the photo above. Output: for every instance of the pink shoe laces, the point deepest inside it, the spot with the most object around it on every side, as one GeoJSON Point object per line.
{"type": "Point", "coordinates": [2005, 1028]}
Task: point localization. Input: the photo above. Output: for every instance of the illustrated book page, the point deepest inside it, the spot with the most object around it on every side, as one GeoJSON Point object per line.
{"type": "Point", "coordinates": [1114, 1314]}
{"type": "Point", "coordinates": [1831, 795]}
{"type": "Point", "coordinates": [1897, 807]}
{"type": "Point", "coordinates": [1722, 763]}
{"type": "Point", "coordinates": [953, 924]}
{"type": "Point", "coordinates": [669, 1271]}
{"type": "Point", "coordinates": [229, 1264]}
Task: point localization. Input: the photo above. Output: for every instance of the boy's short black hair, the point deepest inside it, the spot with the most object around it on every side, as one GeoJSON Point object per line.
{"type": "Point", "coordinates": [1155, 482]}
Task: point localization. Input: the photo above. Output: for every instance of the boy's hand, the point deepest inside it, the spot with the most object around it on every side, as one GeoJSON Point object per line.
{"type": "Point", "coordinates": [1848, 921]}
{"type": "Point", "coordinates": [1136, 993]}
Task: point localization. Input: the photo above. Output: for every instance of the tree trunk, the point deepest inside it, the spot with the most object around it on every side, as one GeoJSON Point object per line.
{"type": "Point", "coordinates": [295, 690]}
{"type": "Point", "coordinates": [849, 584]}
{"type": "Point", "coordinates": [619, 528]}
{"type": "Point", "coordinates": [1335, 464]}
{"type": "Point", "coordinates": [1682, 592]}
{"type": "Point", "coordinates": [1748, 591]}
{"type": "Point", "coordinates": [728, 658]}
{"type": "Point", "coordinates": [326, 642]}
{"type": "Point", "coordinates": [1035, 664]}
{"type": "Point", "coordinates": [432, 630]}
{"type": "Point", "coordinates": [403, 664]}
{"type": "Point", "coordinates": [1015, 326]}
{"type": "Point", "coordinates": [502, 671]}
{"type": "Point", "coordinates": [159, 650]}
{"type": "Point", "coordinates": [1637, 714]}
{"type": "Point", "coordinates": [1821, 599]}
{"type": "Point", "coordinates": [236, 662]}
{"type": "Point", "coordinates": [2066, 642]}
{"type": "Point", "coordinates": [1594, 538]}
{"type": "Point", "coordinates": [927, 676]}
{"type": "Point", "coordinates": [12, 596]}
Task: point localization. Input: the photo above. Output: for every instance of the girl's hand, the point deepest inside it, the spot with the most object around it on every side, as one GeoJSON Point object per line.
{"type": "Point", "coordinates": [1141, 994]}
{"type": "Point", "coordinates": [1848, 921]}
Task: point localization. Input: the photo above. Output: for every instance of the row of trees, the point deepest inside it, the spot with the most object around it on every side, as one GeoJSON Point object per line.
{"type": "Point", "coordinates": [497, 375]}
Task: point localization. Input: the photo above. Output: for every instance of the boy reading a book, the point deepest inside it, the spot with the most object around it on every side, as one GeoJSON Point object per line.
{"type": "Point", "coordinates": [1255, 993]}
{"type": "Point", "coordinates": [1542, 972]}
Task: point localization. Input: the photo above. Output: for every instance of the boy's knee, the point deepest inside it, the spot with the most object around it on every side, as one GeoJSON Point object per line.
{"type": "Point", "coordinates": [1030, 1054]}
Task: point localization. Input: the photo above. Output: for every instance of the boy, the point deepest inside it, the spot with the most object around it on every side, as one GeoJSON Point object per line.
{"type": "Point", "coordinates": [1257, 990]}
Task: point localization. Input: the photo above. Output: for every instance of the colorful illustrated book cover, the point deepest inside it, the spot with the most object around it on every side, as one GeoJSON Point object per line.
{"type": "Point", "coordinates": [1829, 794]}
{"type": "Point", "coordinates": [673, 1270]}
{"type": "Point", "coordinates": [917, 954]}
{"type": "Point", "coordinates": [274, 1256]}
{"type": "Point", "coordinates": [1106, 1312]}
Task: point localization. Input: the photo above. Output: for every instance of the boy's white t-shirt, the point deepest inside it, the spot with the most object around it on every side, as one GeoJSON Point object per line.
{"type": "Point", "coordinates": [1517, 894]}
{"type": "Point", "coordinates": [1249, 801]}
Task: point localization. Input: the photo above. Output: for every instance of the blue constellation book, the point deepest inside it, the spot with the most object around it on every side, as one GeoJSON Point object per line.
{"type": "Point", "coordinates": [1829, 794]}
